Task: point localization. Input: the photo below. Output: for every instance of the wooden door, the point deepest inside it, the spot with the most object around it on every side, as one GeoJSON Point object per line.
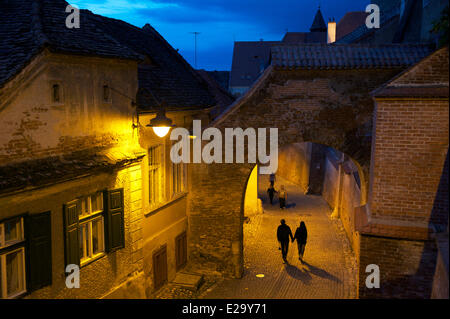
{"type": "Point", "coordinates": [181, 250]}
{"type": "Point", "coordinates": [160, 267]}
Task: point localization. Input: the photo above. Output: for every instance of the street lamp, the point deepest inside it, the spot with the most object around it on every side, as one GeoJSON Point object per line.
{"type": "Point", "coordinates": [161, 124]}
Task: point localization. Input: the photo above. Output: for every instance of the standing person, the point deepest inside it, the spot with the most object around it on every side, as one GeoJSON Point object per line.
{"type": "Point", "coordinates": [283, 235]}
{"type": "Point", "coordinates": [301, 235]}
{"type": "Point", "coordinates": [271, 191]}
{"type": "Point", "coordinates": [272, 179]}
{"type": "Point", "coordinates": [282, 195]}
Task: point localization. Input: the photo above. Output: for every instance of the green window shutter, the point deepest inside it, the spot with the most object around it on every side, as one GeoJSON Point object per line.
{"type": "Point", "coordinates": [71, 213]}
{"type": "Point", "coordinates": [115, 228]}
{"type": "Point", "coordinates": [39, 251]}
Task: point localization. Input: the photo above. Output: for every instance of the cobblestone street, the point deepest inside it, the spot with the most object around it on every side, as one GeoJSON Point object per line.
{"type": "Point", "coordinates": [329, 267]}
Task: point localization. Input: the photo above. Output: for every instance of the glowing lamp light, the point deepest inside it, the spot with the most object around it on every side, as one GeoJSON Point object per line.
{"type": "Point", "coordinates": [161, 131]}
{"type": "Point", "coordinates": [161, 124]}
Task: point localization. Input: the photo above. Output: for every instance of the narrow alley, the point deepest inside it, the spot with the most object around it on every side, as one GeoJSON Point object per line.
{"type": "Point", "coordinates": [329, 267]}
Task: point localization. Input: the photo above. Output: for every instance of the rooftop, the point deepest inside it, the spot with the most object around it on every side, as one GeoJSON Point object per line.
{"type": "Point", "coordinates": [24, 33]}
{"type": "Point", "coordinates": [344, 56]}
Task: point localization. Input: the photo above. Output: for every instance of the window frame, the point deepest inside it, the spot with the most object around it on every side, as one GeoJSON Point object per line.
{"type": "Point", "coordinates": [10, 248]}
{"type": "Point", "coordinates": [88, 219]}
{"type": "Point", "coordinates": [159, 199]}
{"type": "Point", "coordinates": [178, 181]}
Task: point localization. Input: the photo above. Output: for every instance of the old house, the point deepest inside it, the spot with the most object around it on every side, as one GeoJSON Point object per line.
{"type": "Point", "coordinates": [83, 181]}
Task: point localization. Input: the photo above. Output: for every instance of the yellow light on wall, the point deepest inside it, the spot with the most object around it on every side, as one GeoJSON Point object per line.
{"type": "Point", "coordinates": [161, 124]}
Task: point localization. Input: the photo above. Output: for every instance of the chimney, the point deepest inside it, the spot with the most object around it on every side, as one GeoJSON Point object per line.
{"type": "Point", "coordinates": [331, 37]}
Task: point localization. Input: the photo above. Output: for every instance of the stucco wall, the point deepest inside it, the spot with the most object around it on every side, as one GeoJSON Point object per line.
{"type": "Point", "coordinates": [32, 125]}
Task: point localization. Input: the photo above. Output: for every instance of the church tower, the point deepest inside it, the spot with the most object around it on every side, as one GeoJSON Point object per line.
{"type": "Point", "coordinates": [318, 23]}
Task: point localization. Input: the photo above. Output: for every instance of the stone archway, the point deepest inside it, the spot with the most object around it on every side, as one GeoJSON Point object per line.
{"type": "Point", "coordinates": [328, 107]}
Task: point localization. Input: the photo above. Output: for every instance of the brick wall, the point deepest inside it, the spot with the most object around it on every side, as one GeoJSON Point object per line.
{"type": "Point", "coordinates": [408, 179]}
{"type": "Point", "coordinates": [411, 142]}
{"type": "Point", "coordinates": [406, 267]}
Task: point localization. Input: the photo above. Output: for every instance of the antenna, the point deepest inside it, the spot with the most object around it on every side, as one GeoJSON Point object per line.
{"type": "Point", "coordinates": [195, 43]}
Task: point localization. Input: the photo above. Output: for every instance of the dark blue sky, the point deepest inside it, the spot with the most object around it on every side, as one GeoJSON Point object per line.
{"type": "Point", "coordinates": [220, 22]}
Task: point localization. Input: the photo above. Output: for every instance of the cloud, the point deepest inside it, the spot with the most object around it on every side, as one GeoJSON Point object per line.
{"type": "Point", "coordinates": [220, 22]}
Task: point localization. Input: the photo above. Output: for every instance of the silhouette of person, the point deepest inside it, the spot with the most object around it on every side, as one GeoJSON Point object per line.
{"type": "Point", "coordinates": [301, 235]}
{"type": "Point", "coordinates": [282, 195]}
{"type": "Point", "coordinates": [272, 179]}
{"type": "Point", "coordinates": [271, 191]}
{"type": "Point", "coordinates": [283, 235]}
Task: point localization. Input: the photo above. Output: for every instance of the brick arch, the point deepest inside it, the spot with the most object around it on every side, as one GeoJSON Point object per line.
{"type": "Point", "coordinates": [329, 107]}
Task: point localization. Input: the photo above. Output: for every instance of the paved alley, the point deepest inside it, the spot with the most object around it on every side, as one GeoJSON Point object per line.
{"type": "Point", "coordinates": [329, 267]}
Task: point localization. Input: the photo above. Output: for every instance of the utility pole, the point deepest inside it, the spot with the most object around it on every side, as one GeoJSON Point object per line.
{"type": "Point", "coordinates": [195, 43]}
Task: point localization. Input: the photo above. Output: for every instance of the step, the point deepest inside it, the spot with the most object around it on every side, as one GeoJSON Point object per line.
{"type": "Point", "coordinates": [188, 281]}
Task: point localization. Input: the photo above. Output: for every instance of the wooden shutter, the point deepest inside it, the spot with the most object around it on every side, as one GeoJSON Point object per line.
{"type": "Point", "coordinates": [39, 251]}
{"type": "Point", "coordinates": [72, 251]}
{"type": "Point", "coordinates": [181, 250]}
{"type": "Point", "coordinates": [115, 229]}
{"type": "Point", "coordinates": [160, 267]}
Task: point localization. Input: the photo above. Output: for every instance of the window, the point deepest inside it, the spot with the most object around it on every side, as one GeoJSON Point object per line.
{"type": "Point", "coordinates": [56, 94]}
{"type": "Point", "coordinates": [12, 258]}
{"type": "Point", "coordinates": [91, 228]}
{"type": "Point", "coordinates": [155, 174]}
{"type": "Point", "coordinates": [178, 178]}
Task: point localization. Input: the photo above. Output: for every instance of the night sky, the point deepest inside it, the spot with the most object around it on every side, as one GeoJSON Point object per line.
{"type": "Point", "coordinates": [220, 22]}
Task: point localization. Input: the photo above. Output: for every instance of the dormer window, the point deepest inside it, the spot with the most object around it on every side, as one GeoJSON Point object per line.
{"type": "Point", "coordinates": [56, 93]}
{"type": "Point", "coordinates": [106, 93]}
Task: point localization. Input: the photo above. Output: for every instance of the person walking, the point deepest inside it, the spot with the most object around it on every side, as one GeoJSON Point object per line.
{"type": "Point", "coordinates": [272, 179]}
{"type": "Point", "coordinates": [271, 191]}
{"type": "Point", "coordinates": [284, 233]}
{"type": "Point", "coordinates": [282, 195]}
{"type": "Point", "coordinates": [301, 234]}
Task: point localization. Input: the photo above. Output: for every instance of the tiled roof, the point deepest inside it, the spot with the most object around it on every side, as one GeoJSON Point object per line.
{"type": "Point", "coordinates": [166, 74]}
{"type": "Point", "coordinates": [428, 78]}
{"type": "Point", "coordinates": [249, 60]}
{"type": "Point", "coordinates": [223, 97]}
{"type": "Point", "coordinates": [27, 26]}
{"type": "Point", "coordinates": [50, 170]}
{"type": "Point", "coordinates": [341, 56]}
{"type": "Point", "coordinates": [349, 22]}
{"type": "Point", "coordinates": [24, 33]}
{"type": "Point", "coordinates": [385, 19]}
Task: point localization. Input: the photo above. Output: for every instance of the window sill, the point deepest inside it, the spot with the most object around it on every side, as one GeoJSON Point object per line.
{"type": "Point", "coordinates": [92, 259]}
{"type": "Point", "coordinates": [173, 200]}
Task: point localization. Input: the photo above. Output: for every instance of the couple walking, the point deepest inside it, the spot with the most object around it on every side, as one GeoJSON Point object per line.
{"type": "Point", "coordinates": [282, 195]}
{"type": "Point", "coordinates": [284, 234]}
